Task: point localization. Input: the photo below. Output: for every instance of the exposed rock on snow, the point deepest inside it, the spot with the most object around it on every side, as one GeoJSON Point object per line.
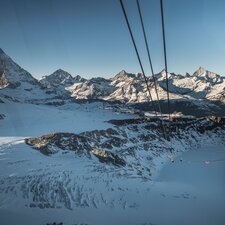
{"type": "Point", "coordinates": [108, 157]}
{"type": "Point", "coordinates": [128, 138]}
{"type": "Point", "coordinates": [218, 120]}
{"type": "Point", "coordinates": [51, 143]}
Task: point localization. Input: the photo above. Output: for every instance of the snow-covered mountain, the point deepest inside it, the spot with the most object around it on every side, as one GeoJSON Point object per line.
{"type": "Point", "coordinates": [202, 84]}
{"type": "Point", "coordinates": [16, 82]}
{"type": "Point", "coordinates": [95, 88]}
{"type": "Point", "coordinates": [131, 88]}
{"type": "Point", "coordinates": [58, 81]}
{"type": "Point", "coordinates": [12, 75]}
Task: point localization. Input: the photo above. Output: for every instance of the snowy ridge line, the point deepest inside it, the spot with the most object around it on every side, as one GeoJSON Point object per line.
{"type": "Point", "coordinates": [19, 85]}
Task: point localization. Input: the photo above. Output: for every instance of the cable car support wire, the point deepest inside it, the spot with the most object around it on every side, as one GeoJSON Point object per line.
{"type": "Point", "coordinates": [140, 63]}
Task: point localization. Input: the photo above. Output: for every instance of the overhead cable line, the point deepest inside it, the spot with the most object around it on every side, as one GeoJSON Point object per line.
{"type": "Point", "coordinates": [150, 63]}
{"type": "Point", "coordinates": [165, 57]}
{"type": "Point", "coordinates": [138, 56]}
{"type": "Point", "coordinates": [148, 51]}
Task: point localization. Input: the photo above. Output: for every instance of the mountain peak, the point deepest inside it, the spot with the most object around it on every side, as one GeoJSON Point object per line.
{"type": "Point", "coordinates": [200, 71]}
{"type": "Point", "coordinates": [163, 74]}
{"type": "Point", "coordinates": [123, 75]}
{"type": "Point", "coordinates": [122, 72]}
{"type": "Point", "coordinates": [60, 71]}
{"type": "Point", "coordinates": [60, 74]}
{"type": "Point", "coordinates": [60, 79]}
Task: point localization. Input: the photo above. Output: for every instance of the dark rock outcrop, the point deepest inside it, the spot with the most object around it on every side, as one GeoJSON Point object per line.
{"type": "Point", "coordinates": [129, 136]}
{"type": "Point", "coordinates": [217, 120]}
{"type": "Point", "coordinates": [108, 157]}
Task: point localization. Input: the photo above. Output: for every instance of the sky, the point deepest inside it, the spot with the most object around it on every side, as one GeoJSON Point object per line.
{"type": "Point", "coordinates": [90, 37]}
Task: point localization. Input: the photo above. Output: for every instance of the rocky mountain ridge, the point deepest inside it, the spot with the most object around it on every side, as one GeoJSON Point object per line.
{"type": "Point", "coordinates": [123, 87]}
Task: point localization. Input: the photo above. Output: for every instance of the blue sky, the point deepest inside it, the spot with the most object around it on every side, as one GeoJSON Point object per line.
{"type": "Point", "coordinates": [90, 37]}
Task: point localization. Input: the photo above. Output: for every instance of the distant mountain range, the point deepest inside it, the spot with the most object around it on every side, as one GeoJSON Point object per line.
{"type": "Point", "coordinates": [18, 84]}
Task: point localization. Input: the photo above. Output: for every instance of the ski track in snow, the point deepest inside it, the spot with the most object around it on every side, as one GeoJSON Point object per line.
{"type": "Point", "coordinates": [36, 189]}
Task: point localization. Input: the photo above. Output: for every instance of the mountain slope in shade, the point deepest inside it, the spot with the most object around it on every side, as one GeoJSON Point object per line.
{"type": "Point", "coordinates": [11, 74]}
{"type": "Point", "coordinates": [16, 83]}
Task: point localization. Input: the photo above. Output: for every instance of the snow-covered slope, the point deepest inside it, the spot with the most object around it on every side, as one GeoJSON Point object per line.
{"type": "Point", "coordinates": [96, 177]}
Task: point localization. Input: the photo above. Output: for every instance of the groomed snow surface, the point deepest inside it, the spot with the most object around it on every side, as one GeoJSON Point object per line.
{"type": "Point", "coordinates": [187, 192]}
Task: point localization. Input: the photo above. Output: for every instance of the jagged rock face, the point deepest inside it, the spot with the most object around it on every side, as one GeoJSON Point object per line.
{"type": "Point", "coordinates": [208, 76]}
{"type": "Point", "coordinates": [59, 81]}
{"type": "Point", "coordinates": [16, 83]}
{"type": "Point", "coordinates": [96, 88]}
{"type": "Point", "coordinates": [59, 78]}
{"type": "Point", "coordinates": [129, 88]}
{"type": "Point", "coordinates": [3, 80]}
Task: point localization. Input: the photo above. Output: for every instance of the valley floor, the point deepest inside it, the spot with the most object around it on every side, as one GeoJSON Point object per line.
{"type": "Point", "coordinates": [187, 192]}
{"type": "Point", "coordinates": [36, 189]}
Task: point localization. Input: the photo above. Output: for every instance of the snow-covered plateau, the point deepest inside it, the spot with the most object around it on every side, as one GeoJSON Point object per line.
{"type": "Point", "coordinates": [75, 151]}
